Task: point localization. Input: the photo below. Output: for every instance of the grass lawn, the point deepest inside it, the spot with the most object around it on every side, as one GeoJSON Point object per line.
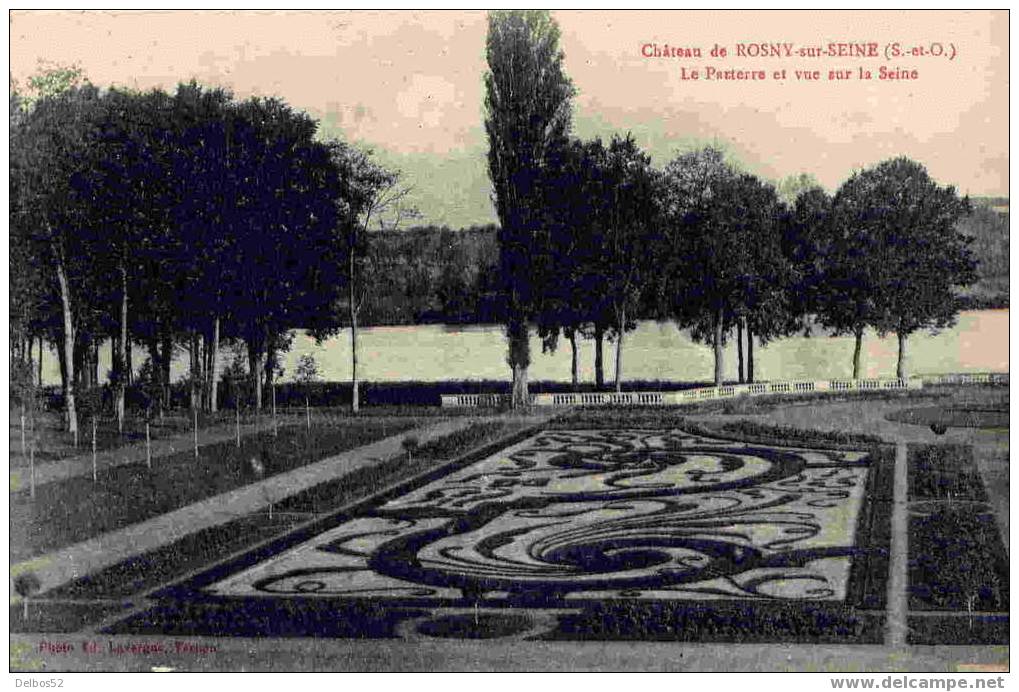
{"type": "Point", "coordinates": [145, 572]}
{"type": "Point", "coordinates": [994, 417]}
{"type": "Point", "coordinates": [74, 510]}
{"type": "Point", "coordinates": [53, 443]}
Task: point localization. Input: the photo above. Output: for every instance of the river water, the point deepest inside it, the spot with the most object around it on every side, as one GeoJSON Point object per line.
{"type": "Point", "coordinates": [654, 351]}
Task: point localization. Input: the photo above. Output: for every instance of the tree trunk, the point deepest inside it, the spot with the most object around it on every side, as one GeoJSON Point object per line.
{"type": "Point", "coordinates": [857, 350]}
{"type": "Point", "coordinates": [196, 370]}
{"type": "Point", "coordinates": [901, 371]}
{"type": "Point", "coordinates": [38, 366]}
{"type": "Point", "coordinates": [79, 371]}
{"type": "Point", "coordinates": [153, 346]}
{"type": "Point", "coordinates": [519, 398]}
{"type": "Point", "coordinates": [355, 398]}
{"type": "Point", "coordinates": [518, 335]}
{"type": "Point", "coordinates": [718, 348]}
{"type": "Point", "coordinates": [574, 364]}
{"type": "Point", "coordinates": [209, 375]}
{"type": "Point", "coordinates": [259, 370]}
{"type": "Point", "coordinates": [94, 364]}
{"type": "Point", "coordinates": [65, 302]}
{"type": "Point", "coordinates": [269, 367]}
{"type": "Point", "coordinates": [599, 368]}
{"type": "Point", "coordinates": [62, 361]}
{"type": "Point", "coordinates": [750, 353]}
{"type": "Point", "coordinates": [256, 364]}
{"type": "Point", "coordinates": [119, 365]}
{"type": "Point", "coordinates": [739, 348]}
{"type": "Point", "coordinates": [355, 385]}
{"type": "Point", "coordinates": [619, 351]}
{"type": "Point", "coordinates": [128, 365]}
{"type": "Point", "coordinates": [114, 375]}
{"type": "Point", "coordinates": [214, 369]}
{"type": "Point", "coordinates": [164, 365]}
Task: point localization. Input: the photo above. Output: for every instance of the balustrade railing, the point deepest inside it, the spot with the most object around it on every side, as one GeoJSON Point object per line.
{"type": "Point", "coordinates": [687, 396]}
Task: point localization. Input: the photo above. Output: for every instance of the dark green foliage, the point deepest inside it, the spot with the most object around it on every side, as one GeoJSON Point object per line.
{"type": "Point", "coordinates": [896, 254]}
{"type": "Point", "coordinates": [144, 572]}
{"type": "Point", "coordinates": [750, 431]}
{"type": "Point", "coordinates": [456, 443]}
{"type": "Point", "coordinates": [371, 480]}
{"type": "Point", "coordinates": [988, 228]}
{"type": "Point", "coordinates": [430, 274]}
{"type": "Point", "coordinates": [147, 571]}
{"type": "Point", "coordinates": [73, 510]}
{"type": "Point", "coordinates": [961, 417]}
{"type": "Point", "coordinates": [630, 417]}
{"type": "Point", "coordinates": [410, 445]}
{"type": "Point", "coordinates": [724, 260]}
{"type": "Point", "coordinates": [954, 630]}
{"type": "Point", "coordinates": [527, 119]}
{"type": "Point", "coordinates": [744, 431]}
{"type": "Point", "coordinates": [26, 584]}
{"type": "Point", "coordinates": [61, 617]}
{"type": "Point", "coordinates": [186, 211]}
{"type": "Point", "coordinates": [720, 622]}
{"type": "Point", "coordinates": [476, 626]}
{"type": "Point", "coordinates": [957, 561]}
{"type": "Point", "coordinates": [939, 472]}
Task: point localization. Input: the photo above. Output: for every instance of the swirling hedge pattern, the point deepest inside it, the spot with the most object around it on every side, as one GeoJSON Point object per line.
{"type": "Point", "coordinates": [596, 514]}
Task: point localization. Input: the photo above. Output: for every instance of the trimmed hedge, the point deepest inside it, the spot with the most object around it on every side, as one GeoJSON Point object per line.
{"type": "Point", "coordinates": [957, 561]}
{"type": "Point", "coordinates": [752, 431]}
{"type": "Point", "coordinates": [948, 471]}
{"type": "Point", "coordinates": [743, 622]}
{"type": "Point", "coordinates": [955, 630]}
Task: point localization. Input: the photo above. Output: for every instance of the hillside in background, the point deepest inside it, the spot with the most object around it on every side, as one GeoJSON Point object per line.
{"type": "Point", "coordinates": [988, 226]}
{"type": "Point", "coordinates": [431, 274]}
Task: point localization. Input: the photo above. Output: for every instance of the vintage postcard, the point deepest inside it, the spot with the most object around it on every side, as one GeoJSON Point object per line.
{"type": "Point", "coordinates": [510, 341]}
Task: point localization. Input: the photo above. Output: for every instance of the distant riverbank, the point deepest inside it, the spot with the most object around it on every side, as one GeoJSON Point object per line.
{"type": "Point", "coordinates": [655, 351]}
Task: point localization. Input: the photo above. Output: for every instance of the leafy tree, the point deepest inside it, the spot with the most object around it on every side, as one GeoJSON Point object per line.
{"type": "Point", "coordinates": [725, 262]}
{"type": "Point", "coordinates": [704, 247]}
{"type": "Point", "coordinates": [368, 193]}
{"type": "Point", "coordinates": [31, 299]}
{"type": "Point", "coordinates": [123, 197]}
{"type": "Point", "coordinates": [284, 254]}
{"type": "Point", "coordinates": [163, 217]}
{"type": "Point", "coordinates": [628, 235]}
{"type": "Point", "coordinates": [913, 252]}
{"type": "Point", "coordinates": [767, 307]}
{"type": "Point", "coordinates": [843, 272]}
{"type": "Point", "coordinates": [792, 186]}
{"type": "Point", "coordinates": [989, 229]}
{"type": "Point", "coordinates": [306, 373]}
{"type": "Point", "coordinates": [527, 106]}
{"type": "Point", "coordinates": [46, 147]}
{"type": "Point", "coordinates": [571, 304]}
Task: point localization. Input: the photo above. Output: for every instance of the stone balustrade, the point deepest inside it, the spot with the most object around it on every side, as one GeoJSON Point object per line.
{"type": "Point", "coordinates": [688, 396]}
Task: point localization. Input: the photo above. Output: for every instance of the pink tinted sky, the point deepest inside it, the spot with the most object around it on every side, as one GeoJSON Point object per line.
{"type": "Point", "coordinates": [409, 84]}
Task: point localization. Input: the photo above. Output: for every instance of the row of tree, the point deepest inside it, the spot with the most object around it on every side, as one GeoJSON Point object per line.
{"type": "Point", "coordinates": [591, 234]}
{"type": "Point", "coordinates": [187, 219]}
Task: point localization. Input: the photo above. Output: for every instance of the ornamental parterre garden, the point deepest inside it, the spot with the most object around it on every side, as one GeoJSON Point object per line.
{"type": "Point", "coordinates": [600, 534]}
{"type": "Point", "coordinates": [599, 525]}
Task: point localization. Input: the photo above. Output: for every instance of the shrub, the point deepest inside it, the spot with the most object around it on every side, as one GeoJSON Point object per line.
{"type": "Point", "coordinates": [957, 561]}
{"type": "Point", "coordinates": [944, 472]}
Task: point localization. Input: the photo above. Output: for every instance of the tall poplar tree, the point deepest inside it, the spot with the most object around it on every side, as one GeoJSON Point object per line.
{"type": "Point", "coordinates": [528, 112]}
